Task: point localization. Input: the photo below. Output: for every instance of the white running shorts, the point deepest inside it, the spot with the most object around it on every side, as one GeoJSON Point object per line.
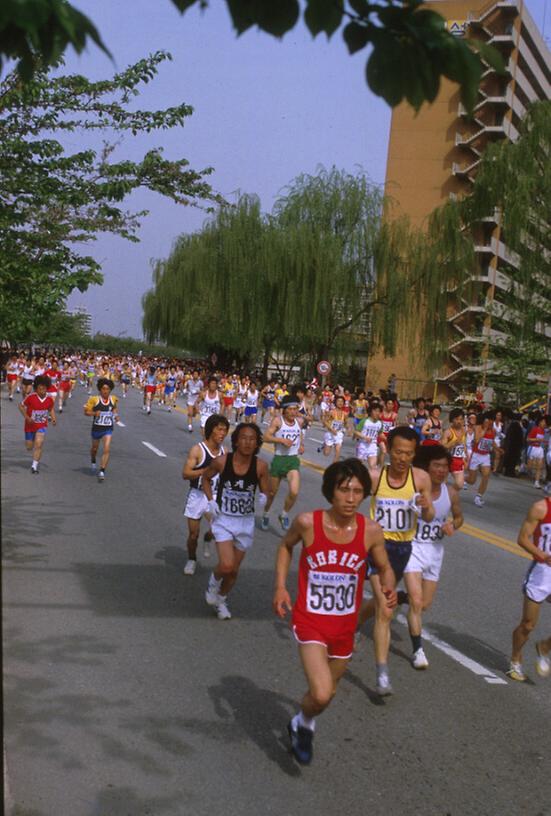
{"type": "Point", "coordinates": [329, 440]}
{"type": "Point", "coordinates": [426, 557]}
{"type": "Point", "coordinates": [196, 504]}
{"type": "Point", "coordinates": [238, 529]}
{"type": "Point", "coordinates": [537, 584]}
{"type": "Point", "coordinates": [480, 460]}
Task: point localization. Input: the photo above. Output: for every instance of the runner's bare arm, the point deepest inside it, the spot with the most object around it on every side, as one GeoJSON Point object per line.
{"type": "Point", "coordinates": [215, 467]}
{"type": "Point", "coordinates": [424, 501]}
{"type": "Point", "coordinates": [375, 545]}
{"type": "Point", "coordinates": [53, 419]}
{"type": "Point", "coordinates": [263, 477]}
{"type": "Point", "coordinates": [274, 426]}
{"type": "Point", "coordinates": [193, 459]}
{"type": "Point", "coordinates": [456, 521]}
{"type": "Point", "coordinates": [282, 600]}
{"type": "Point", "coordinates": [525, 539]}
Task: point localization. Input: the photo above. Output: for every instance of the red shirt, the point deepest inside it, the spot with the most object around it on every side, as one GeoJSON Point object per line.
{"type": "Point", "coordinates": [536, 436]}
{"type": "Point", "coordinates": [54, 374]}
{"type": "Point", "coordinates": [330, 581]}
{"type": "Point", "coordinates": [38, 409]}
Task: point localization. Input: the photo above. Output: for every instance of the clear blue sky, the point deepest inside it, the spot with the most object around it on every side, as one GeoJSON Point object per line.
{"type": "Point", "coordinates": [264, 112]}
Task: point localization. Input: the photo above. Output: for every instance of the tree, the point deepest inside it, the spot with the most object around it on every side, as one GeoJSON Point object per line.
{"type": "Point", "coordinates": [52, 201]}
{"type": "Point", "coordinates": [411, 48]}
{"type": "Point", "coordinates": [303, 281]}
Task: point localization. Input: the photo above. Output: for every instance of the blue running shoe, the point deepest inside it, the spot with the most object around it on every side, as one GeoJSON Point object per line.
{"type": "Point", "coordinates": [301, 743]}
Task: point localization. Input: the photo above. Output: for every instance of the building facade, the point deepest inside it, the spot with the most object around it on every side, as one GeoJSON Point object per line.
{"type": "Point", "coordinates": [434, 155]}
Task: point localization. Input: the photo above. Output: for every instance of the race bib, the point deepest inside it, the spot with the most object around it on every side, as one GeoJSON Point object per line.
{"type": "Point", "coordinates": [39, 417]}
{"type": "Point", "coordinates": [458, 452]}
{"type": "Point", "coordinates": [429, 531]}
{"type": "Point", "coordinates": [105, 418]}
{"type": "Point", "coordinates": [544, 542]}
{"type": "Point", "coordinates": [331, 593]}
{"type": "Point", "coordinates": [237, 503]}
{"type": "Point", "coordinates": [394, 515]}
{"type": "Point", "coordinates": [485, 445]}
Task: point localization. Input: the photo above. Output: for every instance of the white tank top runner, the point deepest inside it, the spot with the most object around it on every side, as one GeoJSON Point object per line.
{"type": "Point", "coordinates": [292, 432]}
{"type": "Point", "coordinates": [432, 530]}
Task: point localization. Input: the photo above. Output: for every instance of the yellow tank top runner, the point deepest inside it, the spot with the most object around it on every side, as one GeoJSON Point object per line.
{"type": "Point", "coordinates": [392, 508]}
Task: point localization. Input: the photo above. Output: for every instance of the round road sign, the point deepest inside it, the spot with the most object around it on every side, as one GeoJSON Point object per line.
{"type": "Point", "coordinates": [324, 367]}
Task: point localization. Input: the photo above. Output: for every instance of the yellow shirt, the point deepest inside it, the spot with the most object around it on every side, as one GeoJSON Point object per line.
{"type": "Point", "coordinates": [391, 507]}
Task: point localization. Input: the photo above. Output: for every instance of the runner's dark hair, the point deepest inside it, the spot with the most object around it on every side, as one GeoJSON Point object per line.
{"type": "Point", "coordinates": [41, 380]}
{"type": "Point", "coordinates": [404, 432]}
{"type": "Point", "coordinates": [235, 435]}
{"type": "Point", "coordinates": [429, 453]}
{"type": "Point", "coordinates": [105, 381]}
{"type": "Point", "coordinates": [456, 412]}
{"type": "Point", "coordinates": [213, 422]}
{"type": "Point", "coordinates": [340, 472]}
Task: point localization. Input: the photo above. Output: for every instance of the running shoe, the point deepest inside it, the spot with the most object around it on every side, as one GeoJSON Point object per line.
{"type": "Point", "coordinates": [264, 522]}
{"type": "Point", "coordinates": [211, 596]}
{"type": "Point", "coordinates": [419, 660]}
{"type": "Point", "coordinates": [222, 611]}
{"type": "Point", "coordinates": [34, 469]}
{"type": "Point", "coordinates": [479, 501]}
{"type": "Point", "coordinates": [537, 485]}
{"type": "Point", "coordinates": [60, 410]}
{"type": "Point", "coordinates": [190, 428]}
{"type": "Point", "coordinates": [285, 522]}
{"type": "Point", "coordinates": [383, 687]}
{"type": "Point", "coordinates": [149, 412]}
{"type": "Point", "coordinates": [543, 662]}
{"type": "Point", "coordinates": [515, 672]}
{"type": "Point", "coordinates": [302, 740]}
{"type": "Point", "coordinates": [190, 567]}
{"type": "Point", "coordinates": [101, 476]}
{"type": "Point", "coordinates": [93, 467]}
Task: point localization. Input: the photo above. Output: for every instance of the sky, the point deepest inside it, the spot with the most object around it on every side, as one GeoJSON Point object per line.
{"type": "Point", "coordinates": [265, 111]}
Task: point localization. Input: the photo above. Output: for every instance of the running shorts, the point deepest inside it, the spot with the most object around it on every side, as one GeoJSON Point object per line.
{"type": "Point", "coordinates": [535, 453]}
{"type": "Point", "coordinates": [238, 529]}
{"type": "Point", "coordinates": [537, 584]}
{"type": "Point", "coordinates": [268, 403]}
{"type": "Point", "coordinates": [281, 465]}
{"type": "Point", "coordinates": [457, 464]}
{"type": "Point", "coordinates": [29, 435]}
{"type": "Point", "coordinates": [12, 377]}
{"type": "Point", "coordinates": [228, 401]}
{"type": "Point", "coordinates": [250, 410]}
{"type": "Point", "coordinates": [364, 451]}
{"type": "Point", "coordinates": [99, 433]}
{"type": "Point", "coordinates": [329, 439]}
{"type": "Point", "coordinates": [479, 460]}
{"type": "Point", "coordinates": [150, 389]}
{"type": "Point", "coordinates": [342, 647]}
{"type": "Point", "coordinates": [196, 504]}
{"type": "Point", "coordinates": [426, 557]}
{"type": "Point", "coordinates": [399, 553]}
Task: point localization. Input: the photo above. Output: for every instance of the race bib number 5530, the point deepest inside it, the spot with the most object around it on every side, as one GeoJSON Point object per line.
{"type": "Point", "coordinates": [331, 593]}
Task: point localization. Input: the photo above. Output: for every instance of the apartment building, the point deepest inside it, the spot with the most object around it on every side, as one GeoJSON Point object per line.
{"type": "Point", "coordinates": [434, 155]}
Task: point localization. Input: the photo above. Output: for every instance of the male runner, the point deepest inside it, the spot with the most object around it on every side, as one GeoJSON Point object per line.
{"type": "Point", "coordinates": [37, 407]}
{"type": "Point", "coordinates": [368, 434]}
{"type": "Point", "coordinates": [12, 375]}
{"type": "Point", "coordinates": [402, 493]}
{"type": "Point", "coordinates": [209, 402]}
{"type": "Point", "coordinates": [198, 460]}
{"type": "Point", "coordinates": [150, 388]}
{"type": "Point", "coordinates": [535, 538]}
{"type": "Point", "coordinates": [482, 446]}
{"type": "Point", "coordinates": [535, 453]}
{"type": "Point", "coordinates": [251, 402]}
{"type": "Point", "coordinates": [454, 440]}
{"type": "Point", "coordinates": [432, 429]}
{"type": "Point", "coordinates": [335, 424]}
{"type": "Point", "coordinates": [285, 432]}
{"type": "Point", "coordinates": [335, 543]}
{"type": "Point", "coordinates": [103, 409]}
{"type": "Point", "coordinates": [193, 388]}
{"type": "Point", "coordinates": [170, 389]}
{"type": "Point", "coordinates": [422, 571]}
{"type": "Point", "coordinates": [240, 472]}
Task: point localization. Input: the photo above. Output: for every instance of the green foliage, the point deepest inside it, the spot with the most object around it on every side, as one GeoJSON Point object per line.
{"type": "Point", "coordinates": [411, 47]}
{"type": "Point", "coordinates": [52, 202]}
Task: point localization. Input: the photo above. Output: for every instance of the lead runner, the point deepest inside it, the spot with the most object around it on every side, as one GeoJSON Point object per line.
{"type": "Point", "coordinates": [335, 544]}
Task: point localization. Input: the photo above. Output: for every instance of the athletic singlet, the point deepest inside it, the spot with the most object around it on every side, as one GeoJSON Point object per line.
{"type": "Point", "coordinates": [389, 422]}
{"type": "Point", "coordinates": [235, 494]}
{"type": "Point", "coordinates": [370, 430]}
{"type": "Point", "coordinates": [458, 449]}
{"type": "Point", "coordinates": [435, 431]}
{"type": "Point", "coordinates": [28, 373]}
{"type": "Point", "coordinates": [360, 409]}
{"type": "Point", "coordinates": [207, 458]}
{"type": "Point", "coordinates": [151, 380]}
{"type": "Point", "coordinates": [107, 409]}
{"type": "Point", "coordinates": [252, 399]}
{"type": "Point", "coordinates": [330, 581]}
{"type": "Point", "coordinates": [535, 437]}
{"type": "Point", "coordinates": [210, 405]}
{"type": "Point", "coordinates": [542, 533]}
{"type": "Point", "coordinates": [193, 387]}
{"type": "Point", "coordinates": [292, 432]}
{"type": "Point", "coordinates": [171, 381]}
{"type": "Point", "coordinates": [419, 420]}
{"type": "Point", "coordinates": [391, 507]}
{"type": "Point", "coordinates": [485, 443]}
{"type": "Point", "coordinates": [337, 424]}
{"type": "Point", "coordinates": [432, 530]}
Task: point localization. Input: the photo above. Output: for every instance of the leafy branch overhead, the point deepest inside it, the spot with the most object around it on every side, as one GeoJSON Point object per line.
{"type": "Point", "coordinates": [411, 48]}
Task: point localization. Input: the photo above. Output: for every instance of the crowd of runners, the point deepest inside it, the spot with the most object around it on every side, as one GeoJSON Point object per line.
{"type": "Point", "coordinates": [411, 465]}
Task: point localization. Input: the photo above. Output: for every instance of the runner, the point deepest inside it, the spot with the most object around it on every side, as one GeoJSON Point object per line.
{"type": "Point", "coordinates": [209, 402]}
{"type": "Point", "coordinates": [240, 472]}
{"type": "Point", "coordinates": [454, 440]}
{"type": "Point", "coordinates": [498, 447]}
{"type": "Point", "coordinates": [126, 379]}
{"type": "Point", "coordinates": [103, 409]}
{"type": "Point", "coordinates": [402, 493]}
{"type": "Point", "coordinates": [369, 433]}
{"type": "Point", "coordinates": [268, 401]}
{"type": "Point", "coordinates": [420, 417]}
{"type": "Point", "coordinates": [335, 543]}
{"type": "Point", "coordinates": [334, 422]}
{"type": "Point", "coordinates": [193, 388]}
{"type": "Point", "coordinates": [150, 388]}
{"type": "Point", "coordinates": [251, 403]}
{"type": "Point", "coordinates": [422, 572]}
{"type": "Point", "coordinates": [482, 445]}
{"type": "Point", "coordinates": [199, 458]}
{"type": "Point", "coordinates": [12, 375]}
{"type": "Point", "coordinates": [240, 398]}
{"type": "Point", "coordinates": [37, 408]}
{"type": "Point", "coordinates": [27, 378]}
{"type": "Point", "coordinates": [389, 418]}
{"type": "Point", "coordinates": [432, 429]}
{"type": "Point", "coordinates": [535, 454]}
{"type": "Point", "coordinates": [286, 433]}
{"type": "Point", "coordinates": [535, 538]}
{"type": "Point", "coordinates": [64, 386]}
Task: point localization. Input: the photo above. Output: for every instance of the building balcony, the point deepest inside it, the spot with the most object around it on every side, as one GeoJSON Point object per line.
{"type": "Point", "coordinates": [471, 339]}
{"type": "Point", "coordinates": [507, 6]}
{"type": "Point", "coordinates": [469, 309]}
{"type": "Point", "coordinates": [462, 140]}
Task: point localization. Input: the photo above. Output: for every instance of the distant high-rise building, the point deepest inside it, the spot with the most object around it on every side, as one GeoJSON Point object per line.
{"type": "Point", "coordinates": [84, 320]}
{"type": "Point", "coordinates": [434, 155]}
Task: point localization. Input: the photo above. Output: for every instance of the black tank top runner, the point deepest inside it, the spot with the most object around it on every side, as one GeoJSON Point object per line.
{"type": "Point", "coordinates": [105, 418]}
{"type": "Point", "coordinates": [235, 495]}
{"type": "Point", "coordinates": [205, 462]}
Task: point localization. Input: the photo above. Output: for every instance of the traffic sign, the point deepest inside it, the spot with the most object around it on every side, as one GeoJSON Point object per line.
{"type": "Point", "coordinates": [324, 367]}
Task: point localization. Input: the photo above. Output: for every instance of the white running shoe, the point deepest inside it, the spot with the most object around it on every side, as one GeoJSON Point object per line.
{"type": "Point", "coordinates": [101, 476]}
{"type": "Point", "coordinates": [515, 672]}
{"type": "Point", "coordinates": [537, 485]}
{"type": "Point", "coordinates": [419, 660]}
{"type": "Point", "coordinates": [211, 596]}
{"type": "Point", "coordinates": [190, 567]}
{"type": "Point", "coordinates": [543, 663]}
{"type": "Point", "coordinates": [479, 501]}
{"type": "Point", "coordinates": [285, 521]}
{"type": "Point", "coordinates": [222, 611]}
{"type": "Point", "coordinates": [93, 467]}
{"type": "Point", "coordinates": [190, 428]}
{"type": "Point", "coordinates": [383, 687]}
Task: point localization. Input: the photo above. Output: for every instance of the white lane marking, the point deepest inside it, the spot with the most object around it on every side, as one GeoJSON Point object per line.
{"type": "Point", "coordinates": [460, 658]}
{"type": "Point", "coordinates": [121, 424]}
{"type": "Point", "coordinates": [319, 441]}
{"type": "Point", "coordinates": [154, 449]}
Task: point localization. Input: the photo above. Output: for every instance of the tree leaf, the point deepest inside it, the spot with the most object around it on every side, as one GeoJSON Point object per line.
{"type": "Point", "coordinates": [323, 15]}
{"type": "Point", "coordinates": [356, 36]}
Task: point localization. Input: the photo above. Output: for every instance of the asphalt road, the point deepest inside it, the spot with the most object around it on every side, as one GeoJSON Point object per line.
{"type": "Point", "coordinates": [125, 696]}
